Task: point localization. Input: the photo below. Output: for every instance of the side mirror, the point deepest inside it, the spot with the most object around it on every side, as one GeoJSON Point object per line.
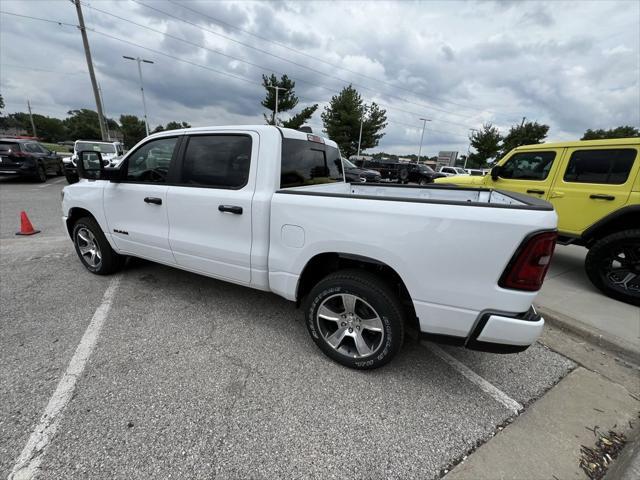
{"type": "Point", "coordinates": [90, 165]}
{"type": "Point", "coordinates": [495, 172]}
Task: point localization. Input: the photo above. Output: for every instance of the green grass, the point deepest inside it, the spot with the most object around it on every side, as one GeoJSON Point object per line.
{"type": "Point", "coordinates": [56, 148]}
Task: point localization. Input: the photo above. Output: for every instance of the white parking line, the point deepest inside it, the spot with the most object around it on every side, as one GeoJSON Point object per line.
{"type": "Point", "coordinates": [490, 389]}
{"type": "Point", "coordinates": [53, 182]}
{"type": "Point", "coordinates": [28, 462]}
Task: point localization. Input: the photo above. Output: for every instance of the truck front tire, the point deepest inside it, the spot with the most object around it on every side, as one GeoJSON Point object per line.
{"type": "Point", "coordinates": [93, 249]}
{"type": "Point", "coordinates": [355, 319]}
{"type": "Point", "coordinates": [613, 265]}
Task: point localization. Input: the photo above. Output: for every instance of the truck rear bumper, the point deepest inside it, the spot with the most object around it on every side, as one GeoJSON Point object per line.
{"type": "Point", "coordinates": [498, 332]}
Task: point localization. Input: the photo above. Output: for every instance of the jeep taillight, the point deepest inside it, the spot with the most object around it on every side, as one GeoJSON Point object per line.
{"type": "Point", "coordinates": [529, 265]}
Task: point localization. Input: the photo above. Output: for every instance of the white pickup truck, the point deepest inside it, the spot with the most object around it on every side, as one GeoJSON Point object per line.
{"type": "Point", "coordinates": [268, 208]}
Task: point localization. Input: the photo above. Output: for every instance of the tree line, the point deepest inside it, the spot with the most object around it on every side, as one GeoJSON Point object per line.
{"type": "Point", "coordinates": [490, 145]}
{"type": "Point", "coordinates": [342, 119]}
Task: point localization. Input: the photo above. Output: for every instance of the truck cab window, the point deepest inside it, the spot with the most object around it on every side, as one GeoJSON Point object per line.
{"type": "Point", "coordinates": [221, 161]}
{"type": "Point", "coordinates": [150, 163]}
{"type": "Point", "coordinates": [309, 163]}
{"type": "Point", "coordinates": [528, 166]}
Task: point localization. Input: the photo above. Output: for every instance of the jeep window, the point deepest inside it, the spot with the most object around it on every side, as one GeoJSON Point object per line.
{"type": "Point", "coordinates": [528, 166]}
{"type": "Point", "coordinates": [309, 163]}
{"type": "Point", "coordinates": [221, 161]}
{"type": "Point", "coordinates": [150, 162]}
{"type": "Point", "coordinates": [600, 166]}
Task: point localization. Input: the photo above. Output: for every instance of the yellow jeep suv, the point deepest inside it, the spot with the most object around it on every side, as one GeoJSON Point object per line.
{"type": "Point", "coordinates": [594, 186]}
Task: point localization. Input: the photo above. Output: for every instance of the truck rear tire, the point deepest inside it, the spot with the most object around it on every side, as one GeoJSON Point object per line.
{"type": "Point", "coordinates": [93, 249]}
{"type": "Point", "coordinates": [355, 319]}
{"type": "Point", "coordinates": [613, 265]}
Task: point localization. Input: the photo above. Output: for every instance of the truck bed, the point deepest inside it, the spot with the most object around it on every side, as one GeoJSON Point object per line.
{"type": "Point", "coordinates": [439, 194]}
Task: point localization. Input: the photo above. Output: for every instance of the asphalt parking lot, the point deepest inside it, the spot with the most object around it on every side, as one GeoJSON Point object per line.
{"type": "Point", "coordinates": [195, 378]}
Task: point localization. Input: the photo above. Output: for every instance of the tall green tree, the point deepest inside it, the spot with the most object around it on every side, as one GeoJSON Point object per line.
{"type": "Point", "coordinates": [486, 143]}
{"type": "Point", "coordinates": [525, 133]}
{"type": "Point", "coordinates": [1, 104]}
{"type": "Point", "coordinates": [625, 131]}
{"type": "Point", "coordinates": [171, 126]}
{"type": "Point", "coordinates": [287, 100]}
{"type": "Point", "coordinates": [133, 130]}
{"type": "Point", "coordinates": [83, 124]}
{"type": "Point", "coordinates": [341, 120]}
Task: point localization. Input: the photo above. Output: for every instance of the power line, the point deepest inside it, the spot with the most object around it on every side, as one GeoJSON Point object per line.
{"type": "Point", "coordinates": [314, 57]}
{"type": "Point", "coordinates": [261, 67]}
{"type": "Point", "coordinates": [41, 19]}
{"type": "Point", "coordinates": [266, 52]}
{"type": "Point", "coordinates": [205, 67]}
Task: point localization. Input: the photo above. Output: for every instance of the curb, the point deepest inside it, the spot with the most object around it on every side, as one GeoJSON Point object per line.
{"type": "Point", "coordinates": [619, 347]}
{"type": "Point", "coordinates": [627, 465]}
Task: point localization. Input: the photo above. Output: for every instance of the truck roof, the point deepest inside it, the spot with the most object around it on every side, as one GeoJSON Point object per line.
{"type": "Point", "coordinates": [582, 143]}
{"type": "Point", "coordinates": [266, 129]}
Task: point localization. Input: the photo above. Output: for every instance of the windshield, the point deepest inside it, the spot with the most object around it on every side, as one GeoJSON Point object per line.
{"type": "Point", "coordinates": [348, 164]}
{"type": "Point", "coordinates": [426, 168]}
{"type": "Point", "coordinates": [461, 171]}
{"type": "Point", "coordinates": [96, 147]}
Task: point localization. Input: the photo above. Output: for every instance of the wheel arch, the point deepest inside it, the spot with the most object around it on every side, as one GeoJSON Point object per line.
{"type": "Point", "coordinates": [626, 218]}
{"type": "Point", "coordinates": [325, 263]}
{"type": "Point", "coordinates": [75, 214]}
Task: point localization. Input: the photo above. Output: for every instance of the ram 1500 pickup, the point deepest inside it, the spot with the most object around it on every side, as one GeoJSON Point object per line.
{"type": "Point", "coordinates": [268, 208]}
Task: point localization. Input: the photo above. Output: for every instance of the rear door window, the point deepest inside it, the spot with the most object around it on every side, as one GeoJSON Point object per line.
{"type": "Point", "coordinates": [220, 161]}
{"type": "Point", "coordinates": [309, 163]}
{"type": "Point", "coordinates": [9, 147]}
{"type": "Point", "coordinates": [528, 166]}
{"type": "Point", "coordinates": [610, 166]}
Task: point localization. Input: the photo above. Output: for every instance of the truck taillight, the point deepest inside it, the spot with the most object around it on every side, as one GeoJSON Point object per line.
{"type": "Point", "coordinates": [529, 265]}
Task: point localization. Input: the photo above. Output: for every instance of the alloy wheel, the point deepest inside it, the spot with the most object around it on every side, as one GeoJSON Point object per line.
{"type": "Point", "coordinates": [350, 325]}
{"type": "Point", "coordinates": [621, 269]}
{"type": "Point", "coordinates": [88, 246]}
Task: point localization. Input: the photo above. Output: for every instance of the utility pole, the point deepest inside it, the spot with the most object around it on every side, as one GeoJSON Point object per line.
{"type": "Point", "coordinates": [364, 110]}
{"type": "Point", "coordinates": [33, 125]}
{"type": "Point", "coordinates": [94, 83]}
{"type": "Point", "coordinates": [275, 111]}
{"type": "Point", "coordinates": [106, 123]}
{"type": "Point", "coordinates": [144, 103]}
{"type": "Point", "coordinates": [424, 125]}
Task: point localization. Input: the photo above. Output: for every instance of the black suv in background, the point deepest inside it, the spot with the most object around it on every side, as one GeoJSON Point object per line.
{"type": "Point", "coordinates": [401, 172]}
{"type": "Point", "coordinates": [28, 158]}
{"type": "Point", "coordinates": [355, 174]}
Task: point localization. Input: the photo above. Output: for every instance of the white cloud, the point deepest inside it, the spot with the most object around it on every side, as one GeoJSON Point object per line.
{"type": "Point", "coordinates": [459, 63]}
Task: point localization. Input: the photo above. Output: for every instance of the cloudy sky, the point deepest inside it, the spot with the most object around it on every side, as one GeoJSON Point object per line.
{"type": "Point", "coordinates": [573, 65]}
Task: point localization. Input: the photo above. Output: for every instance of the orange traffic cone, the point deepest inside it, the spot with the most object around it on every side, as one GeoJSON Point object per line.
{"type": "Point", "coordinates": [25, 225]}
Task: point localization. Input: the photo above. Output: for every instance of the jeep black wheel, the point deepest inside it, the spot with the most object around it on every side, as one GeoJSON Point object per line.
{"type": "Point", "coordinates": [613, 265]}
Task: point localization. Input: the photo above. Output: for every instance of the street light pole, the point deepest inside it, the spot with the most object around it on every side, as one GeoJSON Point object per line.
{"type": "Point", "coordinates": [275, 111]}
{"type": "Point", "coordinates": [424, 125]}
{"type": "Point", "coordinates": [468, 149]}
{"type": "Point", "coordinates": [364, 110]}
{"type": "Point", "coordinates": [144, 103]}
